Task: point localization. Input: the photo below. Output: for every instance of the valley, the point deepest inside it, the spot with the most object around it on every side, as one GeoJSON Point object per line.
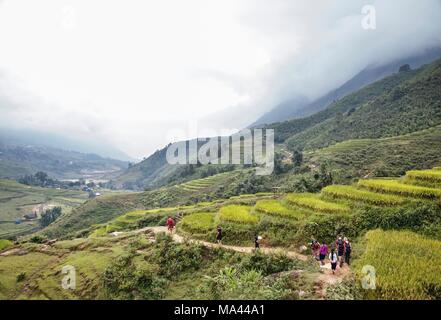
{"type": "Point", "coordinates": [367, 168]}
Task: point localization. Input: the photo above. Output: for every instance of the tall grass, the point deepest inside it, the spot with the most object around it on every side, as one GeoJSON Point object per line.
{"type": "Point", "coordinates": [395, 187]}
{"type": "Point", "coordinates": [407, 265]}
{"type": "Point", "coordinates": [237, 213]}
{"type": "Point", "coordinates": [312, 202]}
{"type": "Point", "coordinates": [351, 193]}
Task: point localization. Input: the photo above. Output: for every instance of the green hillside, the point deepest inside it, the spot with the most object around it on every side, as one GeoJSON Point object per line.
{"type": "Point", "coordinates": [19, 160]}
{"type": "Point", "coordinates": [381, 157]}
{"type": "Point", "coordinates": [410, 105]}
{"type": "Point", "coordinates": [113, 265]}
{"type": "Point", "coordinates": [403, 103]}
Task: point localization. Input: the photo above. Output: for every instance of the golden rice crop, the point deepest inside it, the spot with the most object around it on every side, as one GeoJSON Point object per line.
{"type": "Point", "coordinates": [237, 213]}
{"type": "Point", "coordinates": [427, 175]}
{"type": "Point", "coordinates": [200, 222]}
{"type": "Point", "coordinates": [395, 187]}
{"type": "Point", "coordinates": [351, 193]}
{"type": "Point", "coordinates": [274, 207]}
{"type": "Point", "coordinates": [407, 265]}
{"type": "Point", "coordinates": [312, 201]}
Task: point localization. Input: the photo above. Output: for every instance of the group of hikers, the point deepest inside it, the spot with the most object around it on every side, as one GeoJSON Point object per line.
{"type": "Point", "coordinates": [340, 253]}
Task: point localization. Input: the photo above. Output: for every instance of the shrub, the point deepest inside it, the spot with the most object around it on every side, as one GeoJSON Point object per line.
{"type": "Point", "coordinates": [21, 276]}
{"type": "Point", "coordinates": [4, 244]}
{"type": "Point", "coordinates": [311, 201]}
{"type": "Point", "coordinates": [327, 227]}
{"type": "Point", "coordinates": [406, 264]}
{"type": "Point", "coordinates": [238, 214]}
{"type": "Point", "coordinates": [424, 218]}
{"type": "Point", "coordinates": [268, 264]}
{"type": "Point", "coordinates": [175, 258]}
{"type": "Point", "coordinates": [124, 279]}
{"type": "Point", "coordinates": [351, 193]}
{"type": "Point", "coordinates": [395, 187]}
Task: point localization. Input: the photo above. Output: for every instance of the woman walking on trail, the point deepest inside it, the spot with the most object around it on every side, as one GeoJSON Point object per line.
{"type": "Point", "coordinates": [219, 235]}
{"type": "Point", "coordinates": [257, 242]}
{"type": "Point", "coordinates": [315, 248]}
{"type": "Point", "coordinates": [323, 253]}
{"type": "Point", "coordinates": [333, 257]}
{"type": "Point", "coordinates": [340, 250]}
{"type": "Point", "coordinates": [170, 224]}
{"type": "Point", "coordinates": [348, 250]}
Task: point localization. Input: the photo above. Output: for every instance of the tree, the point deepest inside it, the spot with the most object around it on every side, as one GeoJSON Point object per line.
{"type": "Point", "coordinates": [49, 216]}
{"type": "Point", "coordinates": [297, 158]}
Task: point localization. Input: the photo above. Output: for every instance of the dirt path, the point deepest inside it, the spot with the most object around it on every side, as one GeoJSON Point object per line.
{"type": "Point", "coordinates": [325, 279]}
{"type": "Point", "coordinates": [178, 238]}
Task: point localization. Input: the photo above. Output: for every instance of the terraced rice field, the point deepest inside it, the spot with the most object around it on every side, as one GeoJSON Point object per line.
{"type": "Point", "coordinates": [276, 208]}
{"type": "Point", "coordinates": [402, 189]}
{"type": "Point", "coordinates": [238, 214]}
{"type": "Point", "coordinates": [407, 265]}
{"type": "Point", "coordinates": [200, 184]}
{"type": "Point", "coordinates": [313, 202]}
{"type": "Point", "coordinates": [353, 194]}
{"type": "Point", "coordinates": [425, 175]}
{"type": "Point", "coordinates": [200, 222]}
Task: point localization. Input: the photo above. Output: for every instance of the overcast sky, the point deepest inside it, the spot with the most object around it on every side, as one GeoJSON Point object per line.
{"type": "Point", "coordinates": [132, 72]}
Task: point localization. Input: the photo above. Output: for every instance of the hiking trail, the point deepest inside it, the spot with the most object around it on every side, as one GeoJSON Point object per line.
{"type": "Point", "coordinates": [325, 278]}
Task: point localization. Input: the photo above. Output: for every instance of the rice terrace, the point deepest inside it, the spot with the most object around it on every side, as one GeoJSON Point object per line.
{"type": "Point", "coordinates": [221, 158]}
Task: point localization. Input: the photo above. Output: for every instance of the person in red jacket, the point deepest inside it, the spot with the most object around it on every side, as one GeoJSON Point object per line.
{"type": "Point", "coordinates": [170, 224]}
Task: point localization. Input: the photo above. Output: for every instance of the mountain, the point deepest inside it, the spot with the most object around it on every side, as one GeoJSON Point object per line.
{"type": "Point", "coordinates": [60, 141]}
{"type": "Point", "coordinates": [413, 104]}
{"type": "Point", "coordinates": [18, 160]}
{"type": "Point", "coordinates": [402, 103]}
{"type": "Point", "coordinates": [300, 107]}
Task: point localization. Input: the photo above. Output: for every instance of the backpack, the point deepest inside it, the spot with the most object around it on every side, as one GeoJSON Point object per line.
{"type": "Point", "coordinates": [340, 245]}
{"type": "Point", "coordinates": [348, 248]}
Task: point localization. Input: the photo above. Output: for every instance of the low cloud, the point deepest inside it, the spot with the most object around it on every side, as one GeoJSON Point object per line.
{"type": "Point", "coordinates": [127, 74]}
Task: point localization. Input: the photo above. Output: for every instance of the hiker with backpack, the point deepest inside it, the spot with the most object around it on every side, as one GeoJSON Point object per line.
{"type": "Point", "coordinates": [323, 253]}
{"type": "Point", "coordinates": [219, 235]}
{"type": "Point", "coordinates": [257, 239]}
{"type": "Point", "coordinates": [348, 250]}
{"type": "Point", "coordinates": [333, 258]}
{"type": "Point", "coordinates": [340, 245]}
{"type": "Point", "coordinates": [170, 224]}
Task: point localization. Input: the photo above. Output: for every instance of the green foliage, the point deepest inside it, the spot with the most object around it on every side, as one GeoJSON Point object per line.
{"type": "Point", "coordinates": [410, 103]}
{"type": "Point", "coordinates": [423, 218]}
{"type": "Point", "coordinates": [124, 279]}
{"type": "Point", "coordinates": [4, 244]}
{"type": "Point", "coordinates": [247, 285]}
{"type": "Point", "coordinates": [406, 264]}
{"type": "Point", "coordinates": [175, 258]}
{"type": "Point", "coordinates": [268, 264]}
{"type": "Point", "coordinates": [21, 276]}
{"type": "Point", "coordinates": [49, 216]}
{"type": "Point", "coordinates": [384, 157]}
